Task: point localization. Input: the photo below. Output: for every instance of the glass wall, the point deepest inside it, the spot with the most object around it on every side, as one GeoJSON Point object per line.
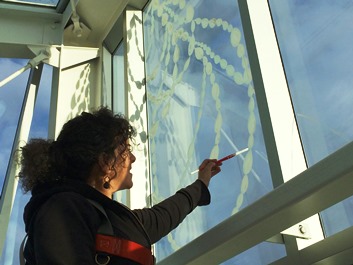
{"type": "Point", "coordinates": [201, 104]}
{"type": "Point", "coordinates": [39, 129]}
{"type": "Point", "coordinates": [316, 47]}
{"type": "Point", "coordinates": [262, 254]}
{"type": "Point", "coordinates": [10, 109]}
{"type": "Point", "coordinates": [119, 98]}
{"type": "Point", "coordinates": [119, 79]}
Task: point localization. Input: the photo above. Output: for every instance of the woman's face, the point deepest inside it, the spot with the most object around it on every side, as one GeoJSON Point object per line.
{"type": "Point", "coordinates": [123, 178]}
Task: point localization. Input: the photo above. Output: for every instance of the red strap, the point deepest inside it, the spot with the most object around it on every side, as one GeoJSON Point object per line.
{"type": "Point", "coordinates": [124, 248]}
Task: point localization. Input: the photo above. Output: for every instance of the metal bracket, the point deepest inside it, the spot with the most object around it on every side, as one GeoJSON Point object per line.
{"type": "Point", "coordinates": [300, 230]}
{"type": "Point", "coordinates": [43, 55]}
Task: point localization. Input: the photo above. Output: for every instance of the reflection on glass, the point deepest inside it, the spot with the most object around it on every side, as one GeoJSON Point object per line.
{"type": "Point", "coordinates": [9, 108]}
{"type": "Point", "coordinates": [119, 80]}
{"type": "Point", "coordinates": [261, 254]}
{"type": "Point", "coordinates": [201, 104]}
{"type": "Point", "coordinates": [39, 129]}
{"type": "Point", "coordinates": [317, 52]}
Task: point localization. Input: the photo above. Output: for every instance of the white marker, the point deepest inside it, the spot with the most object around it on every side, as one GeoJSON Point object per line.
{"type": "Point", "coordinates": [225, 158]}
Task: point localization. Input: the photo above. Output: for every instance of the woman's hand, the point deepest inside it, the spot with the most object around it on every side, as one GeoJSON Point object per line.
{"type": "Point", "coordinates": [207, 169]}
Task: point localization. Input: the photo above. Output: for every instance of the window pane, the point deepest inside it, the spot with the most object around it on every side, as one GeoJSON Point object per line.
{"type": "Point", "coordinates": [261, 254]}
{"type": "Point", "coordinates": [119, 80]}
{"type": "Point", "coordinates": [119, 98]}
{"type": "Point", "coordinates": [39, 129]}
{"type": "Point", "coordinates": [201, 104]}
{"type": "Point", "coordinates": [11, 98]}
{"type": "Point", "coordinates": [316, 48]}
{"type": "Point", "coordinates": [316, 51]}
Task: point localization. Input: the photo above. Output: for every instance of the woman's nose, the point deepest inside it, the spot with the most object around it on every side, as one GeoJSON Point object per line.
{"type": "Point", "coordinates": [132, 158]}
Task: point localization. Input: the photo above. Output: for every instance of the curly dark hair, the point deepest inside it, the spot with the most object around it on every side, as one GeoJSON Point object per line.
{"type": "Point", "coordinates": [80, 143]}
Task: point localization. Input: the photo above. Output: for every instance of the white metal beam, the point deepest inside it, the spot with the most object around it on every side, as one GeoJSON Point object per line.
{"type": "Point", "coordinates": [336, 249]}
{"type": "Point", "coordinates": [42, 56]}
{"type": "Point", "coordinates": [29, 25]}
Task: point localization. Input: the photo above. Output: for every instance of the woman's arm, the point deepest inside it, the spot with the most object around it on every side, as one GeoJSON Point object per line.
{"type": "Point", "coordinates": [168, 214]}
{"type": "Point", "coordinates": [163, 217]}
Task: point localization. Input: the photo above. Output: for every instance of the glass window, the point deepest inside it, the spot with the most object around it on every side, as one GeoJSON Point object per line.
{"type": "Point", "coordinates": [316, 48]}
{"type": "Point", "coordinates": [119, 79]}
{"type": "Point", "coordinates": [201, 104]}
{"type": "Point", "coordinates": [39, 129]}
{"type": "Point", "coordinates": [261, 254]}
{"type": "Point", "coordinates": [119, 98]}
{"type": "Point", "coordinates": [9, 108]}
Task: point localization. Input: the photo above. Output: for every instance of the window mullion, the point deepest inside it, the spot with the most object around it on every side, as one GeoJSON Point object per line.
{"type": "Point", "coordinates": [136, 105]}
{"type": "Point", "coordinates": [283, 143]}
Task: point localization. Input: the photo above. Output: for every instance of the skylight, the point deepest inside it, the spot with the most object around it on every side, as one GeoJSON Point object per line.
{"type": "Point", "coordinates": [47, 3]}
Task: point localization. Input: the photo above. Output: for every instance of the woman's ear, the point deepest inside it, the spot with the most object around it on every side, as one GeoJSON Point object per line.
{"type": "Point", "coordinates": [104, 163]}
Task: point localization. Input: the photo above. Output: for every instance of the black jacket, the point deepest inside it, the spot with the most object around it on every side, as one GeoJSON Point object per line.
{"type": "Point", "coordinates": [62, 224]}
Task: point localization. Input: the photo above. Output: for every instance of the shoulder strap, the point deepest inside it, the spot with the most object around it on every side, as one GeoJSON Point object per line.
{"type": "Point", "coordinates": [107, 242]}
{"type": "Point", "coordinates": [106, 226]}
{"type": "Point", "coordinates": [22, 247]}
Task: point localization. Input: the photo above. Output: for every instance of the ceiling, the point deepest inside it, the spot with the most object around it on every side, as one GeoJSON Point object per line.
{"type": "Point", "coordinates": [101, 22]}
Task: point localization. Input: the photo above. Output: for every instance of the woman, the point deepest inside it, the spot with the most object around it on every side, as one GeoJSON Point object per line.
{"type": "Point", "coordinates": [71, 218]}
